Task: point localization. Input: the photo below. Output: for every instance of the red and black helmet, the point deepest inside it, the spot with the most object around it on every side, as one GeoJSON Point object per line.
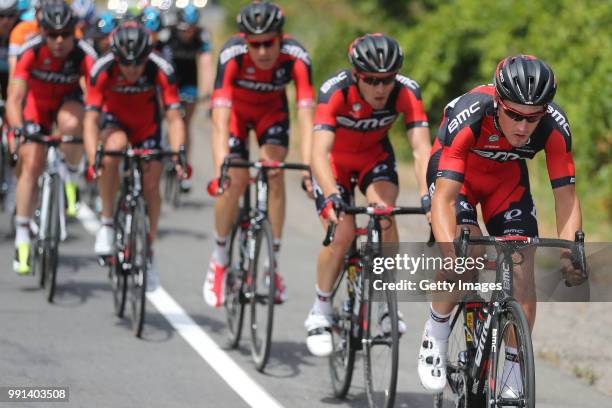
{"type": "Point", "coordinates": [526, 80]}
{"type": "Point", "coordinates": [131, 43]}
{"type": "Point", "coordinates": [260, 18]}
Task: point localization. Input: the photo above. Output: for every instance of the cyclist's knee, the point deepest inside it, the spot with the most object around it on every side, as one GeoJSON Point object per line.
{"type": "Point", "coordinates": [70, 118]}
{"type": "Point", "coordinates": [32, 161]}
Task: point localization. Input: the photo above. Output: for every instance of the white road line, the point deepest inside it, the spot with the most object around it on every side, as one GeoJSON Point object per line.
{"type": "Point", "coordinates": [253, 394]}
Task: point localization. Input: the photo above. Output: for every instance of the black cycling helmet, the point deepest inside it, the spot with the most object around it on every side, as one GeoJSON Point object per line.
{"type": "Point", "coordinates": [260, 18]}
{"type": "Point", "coordinates": [131, 43]}
{"type": "Point", "coordinates": [376, 53]}
{"type": "Point", "coordinates": [56, 16]}
{"type": "Point", "coordinates": [526, 80]}
{"type": "Point", "coordinates": [9, 8]}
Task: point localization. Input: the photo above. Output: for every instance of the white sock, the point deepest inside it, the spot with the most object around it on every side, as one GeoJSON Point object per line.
{"type": "Point", "coordinates": [511, 376]}
{"type": "Point", "coordinates": [106, 221]}
{"type": "Point", "coordinates": [22, 230]}
{"type": "Point", "coordinates": [323, 302]}
{"type": "Point", "coordinates": [220, 254]}
{"type": "Point", "coordinates": [438, 325]}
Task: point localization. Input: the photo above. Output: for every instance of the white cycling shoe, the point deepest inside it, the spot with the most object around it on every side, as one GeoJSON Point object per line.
{"type": "Point", "coordinates": [385, 322]}
{"type": "Point", "coordinates": [105, 238]}
{"type": "Point", "coordinates": [319, 340]}
{"type": "Point", "coordinates": [432, 363]}
{"type": "Point", "coordinates": [152, 276]}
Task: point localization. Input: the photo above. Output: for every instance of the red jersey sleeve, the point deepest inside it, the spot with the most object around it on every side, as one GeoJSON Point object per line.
{"type": "Point", "coordinates": [409, 102]}
{"type": "Point", "coordinates": [168, 90]}
{"type": "Point", "coordinates": [95, 91]}
{"type": "Point", "coordinates": [559, 160]}
{"type": "Point", "coordinates": [224, 83]}
{"type": "Point", "coordinates": [24, 65]}
{"type": "Point", "coordinates": [302, 76]}
{"type": "Point", "coordinates": [453, 158]}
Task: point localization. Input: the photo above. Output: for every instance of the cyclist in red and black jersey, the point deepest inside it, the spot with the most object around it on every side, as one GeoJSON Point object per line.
{"type": "Point", "coordinates": [479, 158]}
{"type": "Point", "coordinates": [122, 106]}
{"type": "Point", "coordinates": [44, 90]}
{"type": "Point", "coordinates": [9, 17]}
{"type": "Point", "coordinates": [354, 112]}
{"type": "Point", "coordinates": [253, 71]}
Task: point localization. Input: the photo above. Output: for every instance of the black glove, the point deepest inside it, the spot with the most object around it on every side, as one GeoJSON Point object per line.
{"type": "Point", "coordinates": [426, 203]}
{"type": "Point", "coordinates": [334, 201]}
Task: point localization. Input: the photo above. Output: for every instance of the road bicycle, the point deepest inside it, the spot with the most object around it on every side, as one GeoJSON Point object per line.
{"type": "Point", "coordinates": [356, 326]}
{"type": "Point", "coordinates": [250, 277]}
{"type": "Point", "coordinates": [131, 259]}
{"type": "Point", "coordinates": [49, 217]}
{"type": "Point", "coordinates": [480, 331]}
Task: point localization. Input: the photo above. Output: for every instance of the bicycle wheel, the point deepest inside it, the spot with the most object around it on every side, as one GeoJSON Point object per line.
{"type": "Point", "coordinates": [460, 351]}
{"type": "Point", "coordinates": [168, 181]}
{"type": "Point", "coordinates": [235, 281]}
{"type": "Point", "coordinates": [50, 259]}
{"type": "Point", "coordinates": [137, 278]}
{"type": "Point", "coordinates": [342, 359]}
{"type": "Point", "coordinates": [381, 350]}
{"type": "Point", "coordinates": [116, 273]}
{"type": "Point", "coordinates": [513, 329]}
{"type": "Point", "coordinates": [261, 295]}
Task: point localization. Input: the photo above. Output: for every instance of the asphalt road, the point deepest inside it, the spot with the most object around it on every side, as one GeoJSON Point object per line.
{"type": "Point", "coordinates": [182, 360]}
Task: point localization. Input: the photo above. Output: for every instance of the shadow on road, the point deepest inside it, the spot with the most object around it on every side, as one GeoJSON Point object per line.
{"type": "Point", "coordinates": [164, 232]}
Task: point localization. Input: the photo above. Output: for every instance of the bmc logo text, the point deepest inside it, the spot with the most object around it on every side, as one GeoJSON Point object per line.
{"type": "Point", "coordinates": [500, 156]}
{"type": "Point", "coordinates": [366, 124]}
{"type": "Point", "coordinates": [462, 116]}
{"type": "Point", "coordinates": [231, 52]}
{"type": "Point", "coordinates": [259, 86]}
{"type": "Point", "coordinates": [560, 119]}
{"type": "Point", "coordinates": [333, 81]}
{"type": "Point", "coordinates": [55, 77]}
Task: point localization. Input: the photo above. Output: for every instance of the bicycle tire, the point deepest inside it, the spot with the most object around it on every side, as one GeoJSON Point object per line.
{"type": "Point", "coordinates": [168, 176]}
{"type": "Point", "coordinates": [342, 358]}
{"type": "Point", "coordinates": [380, 394]}
{"type": "Point", "coordinates": [117, 275]}
{"type": "Point", "coordinates": [53, 236]}
{"type": "Point", "coordinates": [140, 257]}
{"type": "Point", "coordinates": [261, 296]}
{"type": "Point", "coordinates": [512, 314]}
{"type": "Point", "coordinates": [235, 282]}
{"type": "Point", "coordinates": [457, 394]}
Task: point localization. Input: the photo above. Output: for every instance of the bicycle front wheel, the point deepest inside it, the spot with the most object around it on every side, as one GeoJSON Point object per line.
{"type": "Point", "coordinates": [137, 279]}
{"type": "Point", "coordinates": [236, 281]}
{"type": "Point", "coordinates": [342, 358]}
{"type": "Point", "coordinates": [261, 295]}
{"type": "Point", "coordinates": [116, 273]}
{"type": "Point", "coordinates": [50, 257]}
{"type": "Point", "coordinates": [381, 347]}
{"type": "Point", "coordinates": [513, 385]}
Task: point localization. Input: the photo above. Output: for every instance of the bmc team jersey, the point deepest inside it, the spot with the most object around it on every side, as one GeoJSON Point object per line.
{"type": "Point", "coordinates": [361, 145]}
{"type": "Point", "coordinates": [257, 97]}
{"type": "Point", "coordinates": [134, 107]}
{"type": "Point", "coordinates": [470, 149]}
{"type": "Point", "coordinates": [184, 55]}
{"type": "Point", "coordinates": [51, 81]}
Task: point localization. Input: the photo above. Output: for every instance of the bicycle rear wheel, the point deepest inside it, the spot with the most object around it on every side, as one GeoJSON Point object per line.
{"type": "Point", "coordinates": [137, 278]}
{"type": "Point", "coordinates": [236, 281]}
{"type": "Point", "coordinates": [381, 350]}
{"type": "Point", "coordinates": [501, 389]}
{"type": "Point", "coordinates": [261, 295]}
{"type": "Point", "coordinates": [50, 257]}
{"type": "Point", "coordinates": [342, 358]}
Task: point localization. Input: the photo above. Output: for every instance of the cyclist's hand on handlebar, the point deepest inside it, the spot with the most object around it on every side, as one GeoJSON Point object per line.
{"type": "Point", "coordinates": [426, 206]}
{"type": "Point", "coordinates": [570, 270]}
{"type": "Point", "coordinates": [333, 207]}
{"type": "Point", "coordinates": [307, 184]}
{"type": "Point", "coordinates": [214, 189]}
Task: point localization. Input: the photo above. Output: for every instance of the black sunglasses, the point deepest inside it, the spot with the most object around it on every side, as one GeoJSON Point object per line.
{"type": "Point", "coordinates": [370, 80]}
{"type": "Point", "coordinates": [56, 34]}
{"type": "Point", "coordinates": [519, 116]}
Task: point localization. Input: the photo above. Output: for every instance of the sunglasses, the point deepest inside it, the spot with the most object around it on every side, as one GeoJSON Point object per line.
{"type": "Point", "coordinates": [370, 80]}
{"type": "Point", "coordinates": [56, 34]}
{"type": "Point", "coordinates": [520, 116]}
{"type": "Point", "coordinates": [265, 44]}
